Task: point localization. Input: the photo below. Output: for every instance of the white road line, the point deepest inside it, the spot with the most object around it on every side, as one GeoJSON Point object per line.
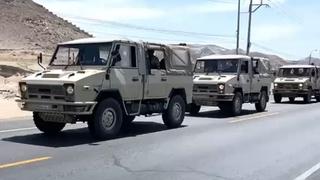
{"type": "Point", "coordinates": [16, 130]}
{"type": "Point", "coordinates": [253, 117]}
{"type": "Point", "coordinates": [309, 172]}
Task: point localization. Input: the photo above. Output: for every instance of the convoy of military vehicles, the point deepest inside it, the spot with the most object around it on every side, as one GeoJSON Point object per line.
{"type": "Point", "coordinates": [107, 83]}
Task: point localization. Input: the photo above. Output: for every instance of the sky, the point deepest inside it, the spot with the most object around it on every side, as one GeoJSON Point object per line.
{"type": "Point", "coordinates": [288, 28]}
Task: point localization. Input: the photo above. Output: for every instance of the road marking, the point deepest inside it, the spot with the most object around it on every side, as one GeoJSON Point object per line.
{"type": "Point", "coordinates": [253, 117]}
{"type": "Point", "coordinates": [16, 130]}
{"type": "Point", "coordinates": [309, 172]}
{"type": "Point", "coordinates": [19, 163]}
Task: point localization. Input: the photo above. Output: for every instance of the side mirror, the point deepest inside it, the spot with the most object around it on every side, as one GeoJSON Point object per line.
{"type": "Point", "coordinates": [40, 61]}
{"type": "Point", "coordinates": [313, 74]}
{"type": "Point", "coordinates": [40, 58]}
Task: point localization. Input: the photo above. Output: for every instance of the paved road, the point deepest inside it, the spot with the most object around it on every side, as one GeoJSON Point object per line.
{"type": "Point", "coordinates": [282, 143]}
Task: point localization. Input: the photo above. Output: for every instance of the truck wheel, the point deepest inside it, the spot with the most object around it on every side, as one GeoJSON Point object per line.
{"type": "Point", "coordinates": [174, 115]}
{"type": "Point", "coordinates": [236, 104]}
{"type": "Point", "coordinates": [50, 128]}
{"type": "Point", "coordinates": [318, 98]}
{"type": "Point", "coordinates": [291, 99]}
{"type": "Point", "coordinates": [277, 98]}
{"type": "Point", "coordinates": [107, 120]}
{"type": "Point", "coordinates": [307, 98]}
{"type": "Point", "coordinates": [262, 104]}
{"type": "Point", "coordinates": [194, 109]}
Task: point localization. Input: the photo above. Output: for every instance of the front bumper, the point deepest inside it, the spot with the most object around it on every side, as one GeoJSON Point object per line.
{"type": "Point", "coordinates": [211, 99]}
{"type": "Point", "coordinates": [291, 92]}
{"type": "Point", "coordinates": [70, 108]}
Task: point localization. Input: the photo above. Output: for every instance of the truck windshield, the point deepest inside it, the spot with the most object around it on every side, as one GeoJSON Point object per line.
{"type": "Point", "coordinates": [217, 66]}
{"type": "Point", "coordinates": [294, 72]}
{"type": "Point", "coordinates": [84, 54]}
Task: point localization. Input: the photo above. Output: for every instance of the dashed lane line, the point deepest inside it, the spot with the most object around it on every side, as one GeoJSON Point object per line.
{"type": "Point", "coordinates": [16, 130]}
{"type": "Point", "coordinates": [20, 163]}
{"type": "Point", "coordinates": [309, 172]}
{"type": "Point", "coordinates": [253, 117]}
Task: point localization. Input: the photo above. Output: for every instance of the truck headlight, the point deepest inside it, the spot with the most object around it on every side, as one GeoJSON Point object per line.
{"type": "Point", "coordinates": [221, 87]}
{"type": "Point", "coordinates": [70, 90]}
{"type": "Point", "coordinates": [23, 88]}
{"type": "Point", "coordinates": [275, 85]}
{"type": "Point", "coordinates": [301, 85]}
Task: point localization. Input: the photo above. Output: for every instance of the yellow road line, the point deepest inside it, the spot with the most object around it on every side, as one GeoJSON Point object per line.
{"type": "Point", "coordinates": [253, 117]}
{"type": "Point", "coordinates": [19, 163]}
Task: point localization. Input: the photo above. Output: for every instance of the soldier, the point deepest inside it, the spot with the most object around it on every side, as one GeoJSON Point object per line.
{"type": "Point", "coordinates": [154, 61]}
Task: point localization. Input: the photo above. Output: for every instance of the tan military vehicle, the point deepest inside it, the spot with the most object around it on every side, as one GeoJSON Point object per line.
{"type": "Point", "coordinates": [297, 81]}
{"type": "Point", "coordinates": [228, 81]}
{"type": "Point", "coordinates": [107, 83]}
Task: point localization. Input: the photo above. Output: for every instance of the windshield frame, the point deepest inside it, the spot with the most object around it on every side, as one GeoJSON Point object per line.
{"type": "Point", "coordinates": [80, 64]}
{"type": "Point", "coordinates": [208, 60]}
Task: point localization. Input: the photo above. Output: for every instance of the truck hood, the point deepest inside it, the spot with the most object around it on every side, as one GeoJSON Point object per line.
{"type": "Point", "coordinates": [59, 76]}
{"type": "Point", "coordinates": [213, 79]}
{"type": "Point", "coordinates": [291, 80]}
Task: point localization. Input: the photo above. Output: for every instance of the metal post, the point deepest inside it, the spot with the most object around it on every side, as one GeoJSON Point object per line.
{"type": "Point", "coordinates": [310, 56]}
{"type": "Point", "coordinates": [238, 27]}
{"type": "Point", "coordinates": [249, 28]}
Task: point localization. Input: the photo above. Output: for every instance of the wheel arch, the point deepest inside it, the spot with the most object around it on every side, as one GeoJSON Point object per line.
{"type": "Point", "coordinates": [178, 91]}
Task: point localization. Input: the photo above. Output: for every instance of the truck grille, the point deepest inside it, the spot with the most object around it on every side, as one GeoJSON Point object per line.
{"type": "Point", "coordinates": [53, 92]}
{"type": "Point", "coordinates": [212, 88]}
{"type": "Point", "coordinates": [288, 86]}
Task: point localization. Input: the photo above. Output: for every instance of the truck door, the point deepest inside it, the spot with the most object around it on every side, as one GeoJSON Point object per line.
{"type": "Point", "coordinates": [124, 72]}
{"type": "Point", "coordinates": [156, 75]}
{"type": "Point", "coordinates": [314, 78]}
{"type": "Point", "coordinates": [245, 79]}
{"type": "Point", "coordinates": [255, 84]}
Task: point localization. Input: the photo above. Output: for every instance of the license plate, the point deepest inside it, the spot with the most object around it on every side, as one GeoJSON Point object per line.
{"type": "Point", "coordinates": [43, 107]}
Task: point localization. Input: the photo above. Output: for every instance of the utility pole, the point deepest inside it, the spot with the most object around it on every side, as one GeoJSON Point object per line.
{"type": "Point", "coordinates": [251, 11]}
{"type": "Point", "coordinates": [310, 56]}
{"type": "Point", "coordinates": [238, 28]}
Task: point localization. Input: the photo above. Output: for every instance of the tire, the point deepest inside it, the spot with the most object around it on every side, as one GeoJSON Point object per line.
{"type": "Point", "coordinates": [307, 98]}
{"type": "Point", "coordinates": [277, 98]}
{"type": "Point", "coordinates": [291, 99]}
{"type": "Point", "coordinates": [262, 104]}
{"type": "Point", "coordinates": [236, 106]}
{"type": "Point", "coordinates": [194, 109]}
{"type": "Point", "coordinates": [49, 128]}
{"type": "Point", "coordinates": [318, 98]}
{"type": "Point", "coordinates": [173, 116]}
{"type": "Point", "coordinates": [107, 119]}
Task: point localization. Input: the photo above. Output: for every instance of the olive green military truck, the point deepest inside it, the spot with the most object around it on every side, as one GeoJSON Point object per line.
{"type": "Point", "coordinates": [107, 83]}
{"type": "Point", "coordinates": [297, 81]}
{"type": "Point", "coordinates": [228, 81]}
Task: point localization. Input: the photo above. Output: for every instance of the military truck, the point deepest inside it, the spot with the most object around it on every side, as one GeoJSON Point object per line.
{"type": "Point", "coordinates": [107, 83]}
{"type": "Point", "coordinates": [295, 81]}
{"type": "Point", "coordinates": [228, 81]}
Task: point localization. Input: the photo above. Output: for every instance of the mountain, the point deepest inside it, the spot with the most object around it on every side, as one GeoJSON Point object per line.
{"type": "Point", "coordinates": [306, 60]}
{"type": "Point", "coordinates": [205, 50]}
{"type": "Point", "coordinates": [26, 26]}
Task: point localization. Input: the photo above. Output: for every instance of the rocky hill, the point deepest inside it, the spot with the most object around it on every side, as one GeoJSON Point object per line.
{"type": "Point", "coordinates": [204, 50]}
{"type": "Point", "coordinates": [26, 29]}
{"type": "Point", "coordinates": [26, 25]}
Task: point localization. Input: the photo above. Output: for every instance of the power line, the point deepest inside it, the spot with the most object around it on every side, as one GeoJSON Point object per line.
{"type": "Point", "coordinates": [158, 30]}
{"type": "Point", "coordinates": [285, 12]}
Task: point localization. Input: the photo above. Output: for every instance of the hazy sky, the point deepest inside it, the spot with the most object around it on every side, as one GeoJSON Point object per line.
{"type": "Point", "coordinates": [290, 29]}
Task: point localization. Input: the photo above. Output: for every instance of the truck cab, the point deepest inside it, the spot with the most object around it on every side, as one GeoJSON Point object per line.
{"type": "Point", "coordinates": [294, 81]}
{"type": "Point", "coordinates": [107, 83]}
{"type": "Point", "coordinates": [228, 81]}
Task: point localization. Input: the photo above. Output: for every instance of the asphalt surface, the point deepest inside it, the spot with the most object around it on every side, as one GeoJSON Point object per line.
{"type": "Point", "coordinates": [282, 143]}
